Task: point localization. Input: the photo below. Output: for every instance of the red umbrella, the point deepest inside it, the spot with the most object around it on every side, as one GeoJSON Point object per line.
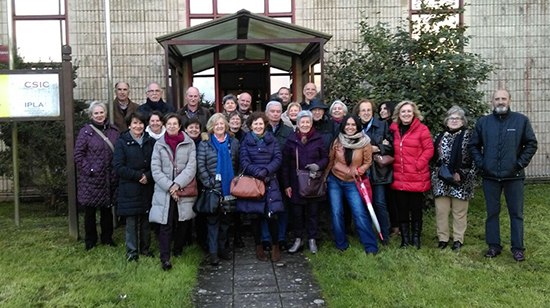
{"type": "Point", "coordinates": [363, 185]}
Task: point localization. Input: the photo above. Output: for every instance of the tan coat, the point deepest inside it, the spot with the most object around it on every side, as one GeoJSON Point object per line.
{"type": "Point", "coordinates": [362, 158]}
{"type": "Point", "coordinates": [118, 119]}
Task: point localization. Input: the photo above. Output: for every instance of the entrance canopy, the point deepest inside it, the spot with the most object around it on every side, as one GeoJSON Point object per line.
{"type": "Point", "coordinates": [242, 37]}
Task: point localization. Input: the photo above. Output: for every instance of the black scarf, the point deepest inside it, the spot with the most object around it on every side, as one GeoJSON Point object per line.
{"type": "Point", "coordinates": [156, 106]}
{"type": "Point", "coordinates": [455, 161]}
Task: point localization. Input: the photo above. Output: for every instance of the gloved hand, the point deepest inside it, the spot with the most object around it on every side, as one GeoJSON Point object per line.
{"type": "Point", "coordinates": [312, 174]}
{"type": "Point", "coordinates": [312, 167]}
{"type": "Point", "coordinates": [262, 174]}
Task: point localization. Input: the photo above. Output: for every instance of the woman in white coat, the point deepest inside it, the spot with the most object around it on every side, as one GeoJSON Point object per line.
{"type": "Point", "coordinates": [173, 166]}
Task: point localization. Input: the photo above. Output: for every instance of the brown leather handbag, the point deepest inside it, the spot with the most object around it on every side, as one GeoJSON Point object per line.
{"type": "Point", "coordinates": [189, 191]}
{"type": "Point", "coordinates": [247, 187]}
{"type": "Point", "coordinates": [383, 160]}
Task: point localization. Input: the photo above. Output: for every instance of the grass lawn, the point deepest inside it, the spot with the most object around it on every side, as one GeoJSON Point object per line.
{"type": "Point", "coordinates": [430, 277]}
{"type": "Point", "coordinates": [41, 267]}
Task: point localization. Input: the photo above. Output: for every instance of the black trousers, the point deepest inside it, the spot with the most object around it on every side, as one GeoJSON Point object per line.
{"type": "Point", "coordinates": [409, 205]}
{"type": "Point", "coordinates": [106, 222]}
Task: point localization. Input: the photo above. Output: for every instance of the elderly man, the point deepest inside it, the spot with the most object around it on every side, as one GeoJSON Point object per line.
{"type": "Point", "coordinates": [285, 96]}
{"type": "Point", "coordinates": [243, 108]}
{"type": "Point", "coordinates": [322, 124]}
{"type": "Point", "coordinates": [310, 91]}
{"type": "Point", "coordinates": [122, 105]}
{"type": "Point", "coordinates": [154, 101]}
{"type": "Point", "coordinates": [192, 109]}
{"type": "Point", "coordinates": [502, 145]}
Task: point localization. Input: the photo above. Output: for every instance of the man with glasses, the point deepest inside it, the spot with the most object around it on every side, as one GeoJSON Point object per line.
{"type": "Point", "coordinates": [502, 146]}
{"type": "Point", "coordinates": [154, 101]}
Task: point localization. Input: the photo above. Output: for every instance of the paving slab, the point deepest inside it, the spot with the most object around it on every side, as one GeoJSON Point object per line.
{"type": "Point", "coordinates": [245, 281]}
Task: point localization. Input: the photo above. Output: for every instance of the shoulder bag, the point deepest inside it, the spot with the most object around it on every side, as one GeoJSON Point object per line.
{"type": "Point", "coordinates": [310, 184]}
{"type": "Point", "coordinates": [188, 191]}
{"type": "Point", "coordinates": [208, 202]}
{"type": "Point", "coordinates": [383, 160]}
{"type": "Point", "coordinates": [100, 133]}
{"type": "Point", "coordinates": [247, 187]}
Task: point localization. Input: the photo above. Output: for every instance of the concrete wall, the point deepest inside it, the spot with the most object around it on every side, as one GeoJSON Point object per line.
{"type": "Point", "coordinates": [3, 23]}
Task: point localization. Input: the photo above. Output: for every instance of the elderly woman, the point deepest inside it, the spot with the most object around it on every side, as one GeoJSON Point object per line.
{"type": "Point", "coordinates": [235, 120]}
{"type": "Point", "coordinates": [451, 150]}
{"type": "Point", "coordinates": [312, 156]}
{"type": "Point", "coordinates": [350, 157]}
{"type": "Point", "coordinates": [338, 111]}
{"type": "Point", "coordinates": [261, 158]}
{"type": "Point", "coordinates": [155, 127]}
{"type": "Point", "coordinates": [174, 165]}
{"type": "Point", "coordinates": [229, 103]}
{"type": "Point", "coordinates": [97, 180]}
{"type": "Point", "coordinates": [382, 144]}
{"type": "Point", "coordinates": [290, 115]}
{"type": "Point", "coordinates": [132, 163]}
{"type": "Point", "coordinates": [413, 150]}
{"type": "Point", "coordinates": [218, 161]}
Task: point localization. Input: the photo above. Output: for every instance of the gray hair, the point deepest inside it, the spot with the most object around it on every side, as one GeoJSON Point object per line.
{"type": "Point", "coordinates": [228, 97]}
{"type": "Point", "coordinates": [152, 83]}
{"type": "Point", "coordinates": [96, 104]}
{"type": "Point", "coordinates": [304, 113]}
{"type": "Point", "coordinates": [461, 113]}
{"type": "Point", "coordinates": [273, 103]}
{"type": "Point", "coordinates": [338, 102]}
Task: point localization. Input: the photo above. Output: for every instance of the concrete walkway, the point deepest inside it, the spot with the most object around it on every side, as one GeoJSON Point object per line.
{"type": "Point", "coordinates": [247, 282]}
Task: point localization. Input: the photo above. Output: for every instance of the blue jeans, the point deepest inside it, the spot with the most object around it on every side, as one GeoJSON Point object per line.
{"type": "Point", "coordinates": [218, 225]}
{"type": "Point", "coordinates": [337, 189]}
{"type": "Point", "coordinates": [379, 202]}
{"type": "Point", "coordinates": [513, 193]}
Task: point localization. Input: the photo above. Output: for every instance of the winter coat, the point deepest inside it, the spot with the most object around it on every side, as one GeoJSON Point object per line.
{"type": "Point", "coordinates": [281, 133]}
{"type": "Point", "coordinates": [502, 145]}
{"type": "Point", "coordinates": [378, 132]}
{"type": "Point", "coordinates": [202, 113]}
{"type": "Point", "coordinates": [313, 152]}
{"type": "Point", "coordinates": [130, 162]}
{"type": "Point", "coordinates": [328, 129]}
{"type": "Point", "coordinates": [164, 176]}
{"type": "Point", "coordinates": [93, 157]}
{"type": "Point", "coordinates": [255, 157]}
{"type": "Point", "coordinates": [148, 107]}
{"type": "Point", "coordinates": [207, 162]}
{"type": "Point", "coordinates": [120, 114]}
{"type": "Point", "coordinates": [413, 152]}
{"type": "Point", "coordinates": [443, 150]}
{"type": "Point", "coordinates": [362, 159]}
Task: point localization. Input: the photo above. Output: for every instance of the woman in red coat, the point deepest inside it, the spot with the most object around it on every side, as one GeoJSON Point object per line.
{"type": "Point", "coordinates": [413, 151]}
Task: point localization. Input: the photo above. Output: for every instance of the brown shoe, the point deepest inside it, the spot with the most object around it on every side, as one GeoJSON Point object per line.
{"type": "Point", "coordinates": [394, 231]}
{"type": "Point", "coordinates": [275, 253]}
{"type": "Point", "coordinates": [260, 253]}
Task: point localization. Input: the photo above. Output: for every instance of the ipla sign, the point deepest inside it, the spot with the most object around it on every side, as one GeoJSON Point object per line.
{"type": "Point", "coordinates": [29, 95]}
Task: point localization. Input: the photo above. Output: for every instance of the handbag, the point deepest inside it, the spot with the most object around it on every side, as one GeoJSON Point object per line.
{"type": "Point", "coordinates": [311, 184]}
{"type": "Point", "coordinates": [383, 160]}
{"type": "Point", "coordinates": [188, 191]}
{"type": "Point", "coordinates": [208, 201]}
{"type": "Point", "coordinates": [446, 175]}
{"type": "Point", "coordinates": [247, 187]}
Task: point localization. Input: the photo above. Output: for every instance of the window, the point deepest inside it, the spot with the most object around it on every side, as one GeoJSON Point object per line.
{"type": "Point", "coordinates": [454, 5]}
{"type": "Point", "coordinates": [200, 11]}
{"type": "Point", "coordinates": [40, 29]}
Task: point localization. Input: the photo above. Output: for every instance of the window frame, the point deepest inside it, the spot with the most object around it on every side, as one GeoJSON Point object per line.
{"type": "Point", "coordinates": [416, 12]}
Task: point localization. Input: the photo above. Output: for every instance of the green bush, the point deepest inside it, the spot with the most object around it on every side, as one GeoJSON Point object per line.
{"type": "Point", "coordinates": [429, 67]}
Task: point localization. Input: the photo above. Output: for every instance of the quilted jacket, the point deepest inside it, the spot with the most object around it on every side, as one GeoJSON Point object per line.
{"type": "Point", "coordinates": [207, 162]}
{"type": "Point", "coordinates": [130, 162]}
{"type": "Point", "coordinates": [165, 175]}
{"type": "Point", "coordinates": [93, 157]}
{"type": "Point", "coordinates": [413, 152]}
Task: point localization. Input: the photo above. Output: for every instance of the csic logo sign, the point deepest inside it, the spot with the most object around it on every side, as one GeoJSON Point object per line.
{"type": "Point", "coordinates": [37, 84]}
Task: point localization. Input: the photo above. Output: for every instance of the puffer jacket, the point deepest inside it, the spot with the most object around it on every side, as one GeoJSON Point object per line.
{"type": "Point", "coordinates": [130, 162]}
{"type": "Point", "coordinates": [207, 162]}
{"type": "Point", "coordinates": [164, 176]}
{"type": "Point", "coordinates": [378, 132]}
{"type": "Point", "coordinates": [502, 145]}
{"type": "Point", "coordinates": [93, 157]}
{"type": "Point", "coordinates": [256, 156]}
{"type": "Point", "coordinates": [362, 159]}
{"type": "Point", "coordinates": [413, 152]}
{"type": "Point", "coordinates": [313, 152]}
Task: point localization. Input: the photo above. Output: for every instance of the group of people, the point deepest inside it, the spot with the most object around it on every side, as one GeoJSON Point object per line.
{"type": "Point", "coordinates": [145, 161]}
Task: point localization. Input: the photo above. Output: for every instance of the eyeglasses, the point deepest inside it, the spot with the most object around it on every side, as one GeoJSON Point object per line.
{"type": "Point", "coordinates": [154, 91]}
{"type": "Point", "coordinates": [455, 119]}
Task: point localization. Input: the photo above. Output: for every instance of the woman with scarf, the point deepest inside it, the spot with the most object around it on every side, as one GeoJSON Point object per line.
{"type": "Point", "coordinates": [312, 156]}
{"type": "Point", "coordinates": [451, 150]}
{"type": "Point", "coordinates": [350, 157]}
{"type": "Point", "coordinates": [97, 181]}
{"type": "Point", "coordinates": [155, 128]}
{"type": "Point", "coordinates": [413, 149]}
{"type": "Point", "coordinates": [260, 157]}
{"type": "Point", "coordinates": [174, 165]}
{"type": "Point", "coordinates": [337, 111]}
{"type": "Point", "coordinates": [218, 161]}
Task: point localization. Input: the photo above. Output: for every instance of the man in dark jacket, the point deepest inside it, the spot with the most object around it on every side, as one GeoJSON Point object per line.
{"type": "Point", "coordinates": [310, 92]}
{"type": "Point", "coordinates": [122, 105]}
{"type": "Point", "coordinates": [322, 124]}
{"type": "Point", "coordinates": [192, 109]}
{"type": "Point", "coordinates": [502, 145]}
{"type": "Point", "coordinates": [154, 101]}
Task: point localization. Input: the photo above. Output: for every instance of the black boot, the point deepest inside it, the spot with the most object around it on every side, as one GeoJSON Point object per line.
{"type": "Point", "coordinates": [417, 231]}
{"type": "Point", "coordinates": [404, 228]}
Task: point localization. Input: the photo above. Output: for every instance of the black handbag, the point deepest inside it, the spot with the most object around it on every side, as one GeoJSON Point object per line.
{"type": "Point", "coordinates": [208, 202]}
{"type": "Point", "coordinates": [446, 175]}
